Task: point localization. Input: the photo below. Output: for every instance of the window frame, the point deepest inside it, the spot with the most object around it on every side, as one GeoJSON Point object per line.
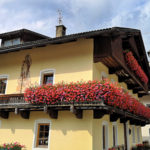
{"type": "Point", "coordinates": [36, 125]}
{"type": "Point", "coordinates": [38, 133]}
{"type": "Point", "coordinates": [44, 72]}
{"type": "Point", "coordinates": [4, 76]}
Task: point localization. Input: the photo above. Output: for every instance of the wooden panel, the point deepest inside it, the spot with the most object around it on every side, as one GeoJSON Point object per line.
{"type": "Point", "coordinates": [133, 45]}
{"type": "Point", "coordinates": [102, 47]}
{"type": "Point", "coordinates": [117, 50]}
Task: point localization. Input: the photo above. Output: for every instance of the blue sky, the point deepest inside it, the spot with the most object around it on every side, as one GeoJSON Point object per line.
{"type": "Point", "coordinates": [78, 15]}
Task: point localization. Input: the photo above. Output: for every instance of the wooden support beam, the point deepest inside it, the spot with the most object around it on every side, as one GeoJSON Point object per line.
{"type": "Point", "coordinates": [132, 122]}
{"type": "Point", "coordinates": [97, 114]}
{"type": "Point", "coordinates": [25, 114]}
{"type": "Point", "coordinates": [124, 119]}
{"type": "Point", "coordinates": [123, 79]}
{"type": "Point", "coordinates": [53, 113]}
{"type": "Point", "coordinates": [137, 89]}
{"type": "Point", "coordinates": [138, 122]}
{"type": "Point", "coordinates": [114, 117]}
{"type": "Point", "coordinates": [4, 114]}
{"type": "Point", "coordinates": [79, 113]}
{"type": "Point", "coordinates": [141, 94]}
{"type": "Point", "coordinates": [114, 70]}
{"type": "Point", "coordinates": [132, 86]}
{"type": "Point", "coordinates": [143, 123]}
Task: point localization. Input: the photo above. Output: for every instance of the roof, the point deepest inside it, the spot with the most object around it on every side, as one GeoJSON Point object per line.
{"type": "Point", "coordinates": [20, 32]}
{"type": "Point", "coordinates": [67, 38]}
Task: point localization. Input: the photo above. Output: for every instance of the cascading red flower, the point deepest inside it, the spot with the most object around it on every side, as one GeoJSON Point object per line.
{"type": "Point", "coordinates": [86, 92]}
{"type": "Point", "coordinates": [135, 67]}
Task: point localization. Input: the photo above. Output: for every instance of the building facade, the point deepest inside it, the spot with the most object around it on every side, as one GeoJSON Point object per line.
{"type": "Point", "coordinates": [28, 58]}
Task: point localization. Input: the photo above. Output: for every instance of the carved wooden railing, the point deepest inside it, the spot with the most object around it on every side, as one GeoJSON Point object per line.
{"type": "Point", "coordinates": [12, 99]}
{"type": "Point", "coordinates": [16, 103]}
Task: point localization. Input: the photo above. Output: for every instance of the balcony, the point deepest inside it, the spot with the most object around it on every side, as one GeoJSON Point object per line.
{"type": "Point", "coordinates": [15, 103]}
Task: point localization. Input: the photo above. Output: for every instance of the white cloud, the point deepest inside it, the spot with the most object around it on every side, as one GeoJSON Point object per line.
{"type": "Point", "coordinates": [78, 15]}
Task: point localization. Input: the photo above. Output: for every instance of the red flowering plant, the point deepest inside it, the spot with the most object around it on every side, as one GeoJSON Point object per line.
{"type": "Point", "coordinates": [112, 149]}
{"type": "Point", "coordinates": [11, 146]}
{"type": "Point", "coordinates": [135, 67]}
{"type": "Point", "coordinates": [86, 92]}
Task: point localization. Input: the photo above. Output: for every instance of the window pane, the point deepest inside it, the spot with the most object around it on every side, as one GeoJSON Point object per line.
{"type": "Point", "coordinates": [41, 142]}
{"type": "Point", "coordinates": [46, 134]}
{"type": "Point", "coordinates": [43, 134]}
{"type": "Point", "coordinates": [3, 85]}
{"type": "Point", "coordinates": [8, 43]}
{"type": "Point", "coordinates": [16, 41]}
{"type": "Point", "coordinates": [48, 78]}
{"type": "Point", "coordinates": [104, 137]}
{"type": "Point", "coordinates": [41, 128]}
{"type": "Point", "coordinates": [133, 134]}
{"type": "Point", "coordinates": [138, 134]}
{"type": "Point", "coordinates": [114, 136]}
{"type": "Point", "coordinates": [46, 128]}
{"type": "Point", "coordinates": [45, 142]}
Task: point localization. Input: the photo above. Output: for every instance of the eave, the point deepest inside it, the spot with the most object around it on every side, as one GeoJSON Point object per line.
{"type": "Point", "coordinates": [109, 51]}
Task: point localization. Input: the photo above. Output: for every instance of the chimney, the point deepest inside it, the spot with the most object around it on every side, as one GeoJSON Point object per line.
{"type": "Point", "coordinates": [60, 30]}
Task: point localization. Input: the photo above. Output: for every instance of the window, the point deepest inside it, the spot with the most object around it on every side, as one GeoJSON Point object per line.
{"type": "Point", "coordinates": [138, 134]}
{"type": "Point", "coordinates": [115, 135]}
{"type": "Point", "coordinates": [133, 134]}
{"type": "Point", "coordinates": [3, 83]}
{"type": "Point", "coordinates": [42, 135]}
{"type": "Point", "coordinates": [12, 42]}
{"type": "Point", "coordinates": [105, 135]}
{"type": "Point", "coordinates": [103, 75]}
{"type": "Point", "coordinates": [47, 76]}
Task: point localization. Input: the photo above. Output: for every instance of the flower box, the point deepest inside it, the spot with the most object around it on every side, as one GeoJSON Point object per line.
{"type": "Point", "coordinates": [91, 92]}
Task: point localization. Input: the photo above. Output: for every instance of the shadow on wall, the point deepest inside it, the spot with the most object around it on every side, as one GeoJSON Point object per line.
{"type": "Point", "coordinates": [66, 121]}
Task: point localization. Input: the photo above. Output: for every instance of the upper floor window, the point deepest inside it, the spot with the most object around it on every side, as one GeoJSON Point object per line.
{"type": "Point", "coordinates": [12, 42]}
{"type": "Point", "coordinates": [3, 83]}
{"type": "Point", "coordinates": [103, 75]}
{"type": "Point", "coordinates": [133, 134]}
{"type": "Point", "coordinates": [138, 134]}
{"type": "Point", "coordinates": [115, 135]}
{"type": "Point", "coordinates": [47, 76]}
{"type": "Point", "coordinates": [105, 135]}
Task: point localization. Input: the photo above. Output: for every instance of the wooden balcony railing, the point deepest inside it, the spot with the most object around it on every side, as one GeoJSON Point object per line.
{"type": "Point", "coordinates": [16, 103]}
{"type": "Point", "coordinates": [12, 99]}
